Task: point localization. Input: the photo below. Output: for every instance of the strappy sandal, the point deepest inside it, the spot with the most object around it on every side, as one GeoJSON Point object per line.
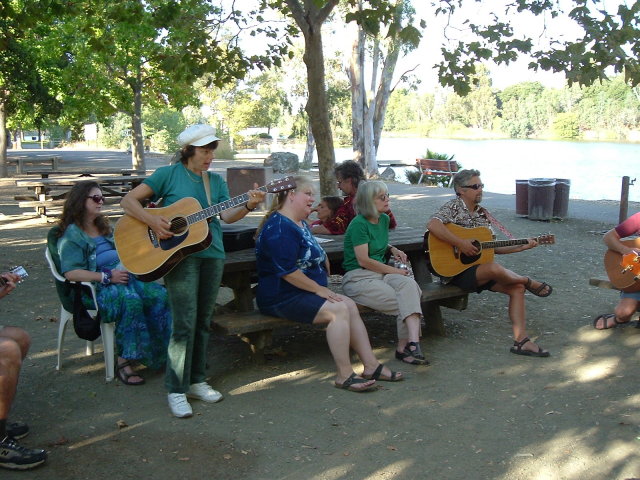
{"type": "Point", "coordinates": [124, 377]}
{"type": "Point", "coordinates": [605, 319]}
{"type": "Point", "coordinates": [378, 375]}
{"type": "Point", "coordinates": [537, 291]}
{"type": "Point", "coordinates": [517, 349]}
{"type": "Point", "coordinates": [416, 354]}
{"type": "Point", "coordinates": [353, 380]}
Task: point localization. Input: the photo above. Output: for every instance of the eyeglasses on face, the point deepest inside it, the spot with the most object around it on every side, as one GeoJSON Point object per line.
{"type": "Point", "coordinates": [383, 197]}
{"type": "Point", "coordinates": [475, 186]}
{"type": "Point", "coordinates": [97, 198]}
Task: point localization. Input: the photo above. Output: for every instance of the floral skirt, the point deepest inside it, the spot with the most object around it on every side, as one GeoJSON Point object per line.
{"type": "Point", "coordinates": [143, 319]}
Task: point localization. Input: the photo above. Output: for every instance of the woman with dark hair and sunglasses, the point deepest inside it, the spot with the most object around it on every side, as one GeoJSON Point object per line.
{"type": "Point", "coordinates": [140, 310]}
{"type": "Point", "coordinates": [193, 283]}
{"type": "Point", "coordinates": [465, 211]}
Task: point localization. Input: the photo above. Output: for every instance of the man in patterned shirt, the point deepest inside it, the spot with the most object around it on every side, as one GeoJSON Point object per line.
{"type": "Point", "coordinates": [629, 302]}
{"type": "Point", "coordinates": [348, 174]}
{"type": "Point", "coordinates": [465, 211]}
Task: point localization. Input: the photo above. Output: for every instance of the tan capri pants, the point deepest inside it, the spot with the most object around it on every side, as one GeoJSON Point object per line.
{"type": "Point", "coordinates": [392, 294]}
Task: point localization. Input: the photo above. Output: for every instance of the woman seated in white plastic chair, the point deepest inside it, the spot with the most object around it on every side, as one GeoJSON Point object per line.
{"type": "Point", "coordinates": [140, 310]}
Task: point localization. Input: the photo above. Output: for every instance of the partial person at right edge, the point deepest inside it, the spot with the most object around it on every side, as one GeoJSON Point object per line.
{"type": "Point", "coordinates": [349, 176]}
{"type": "Point", "coordinates": [465, 211]}
{"type": "Point", "coordinates": [629, 302]}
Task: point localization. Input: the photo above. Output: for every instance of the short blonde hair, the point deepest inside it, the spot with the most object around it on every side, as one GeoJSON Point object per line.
{"type": "Point", "coordinates": [365, 196]}
{"type": "Point", "coordinates": [301, 181]}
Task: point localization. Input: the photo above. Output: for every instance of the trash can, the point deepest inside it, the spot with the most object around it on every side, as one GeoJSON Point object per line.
{"type": "Point", "coordinates": [522, 198]}
{"type": "Point", "coordinates": [541, 195]}
{"type": "Point", "coordinates": [242, 179]}
{"type": "Point", "coordinates": [561, 202]}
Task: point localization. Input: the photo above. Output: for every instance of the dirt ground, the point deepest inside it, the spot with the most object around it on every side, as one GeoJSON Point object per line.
{"type": "Point", "coordinates": [478, 412]}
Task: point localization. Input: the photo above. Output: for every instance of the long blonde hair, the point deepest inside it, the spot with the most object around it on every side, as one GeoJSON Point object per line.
{"type": "Point", "coordinates": [301, 181]}
{"type": "Point", "coordinates": [365, 198]}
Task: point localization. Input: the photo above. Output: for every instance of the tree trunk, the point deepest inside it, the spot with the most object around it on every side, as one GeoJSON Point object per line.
{"type": "Point", "coordinates": [310, 147]}
{"type": "Point", "coordinates": [4, 172]}
{"type": "Point", "coordinates": [310, 20]}
{"type": "Point", "coordinates": [370, 160]}
{"type": "Point", "coordinates": [384, 90]}
{"type": "Point", "coordinates": [356, 78]}
{"type": "Point", "coordinates": [137, 149]}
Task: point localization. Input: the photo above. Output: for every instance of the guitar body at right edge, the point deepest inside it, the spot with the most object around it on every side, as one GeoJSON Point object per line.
{"type": "Point", "coordinates": [150, 258]}
{"type": "Point", "coordinates": [622, 280]}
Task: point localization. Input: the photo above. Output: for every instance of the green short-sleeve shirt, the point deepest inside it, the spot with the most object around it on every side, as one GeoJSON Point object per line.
{"type": "Point", "coordinates": [174, 182]}
{"type": "Point", "coordinates": [361, 231]}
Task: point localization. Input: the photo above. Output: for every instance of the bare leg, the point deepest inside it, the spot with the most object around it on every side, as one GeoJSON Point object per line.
{"type": "Point", "coordinates": [513, 285]}
{"type": "Point", "coordinates": [10, 364]}
{"type": "Point", "coordinates": [623, 312]}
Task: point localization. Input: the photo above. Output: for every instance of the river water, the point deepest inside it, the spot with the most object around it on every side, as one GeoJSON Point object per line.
{"type": "Point", "coordinates": [595, 169]}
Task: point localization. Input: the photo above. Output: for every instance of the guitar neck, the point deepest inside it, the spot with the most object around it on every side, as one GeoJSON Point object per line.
{"type": "Point", "coordinates": [504, 243]}
{"type": "Point", "coordinates": [216, 209]}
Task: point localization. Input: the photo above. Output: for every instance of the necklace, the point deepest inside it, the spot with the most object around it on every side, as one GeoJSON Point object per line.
{"type": "Point", "coordinates": [190, 176]}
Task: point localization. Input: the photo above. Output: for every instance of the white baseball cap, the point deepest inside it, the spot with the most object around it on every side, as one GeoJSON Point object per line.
{"type": "Point", "coordinates": [197, 135]}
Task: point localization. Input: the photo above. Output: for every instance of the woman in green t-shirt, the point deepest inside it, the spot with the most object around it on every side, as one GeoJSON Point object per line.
{"type": "Point", "coordinates": [371, 281]}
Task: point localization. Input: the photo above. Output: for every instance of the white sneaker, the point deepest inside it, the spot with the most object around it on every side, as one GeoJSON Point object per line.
{"type": "Point", "coordinates": [179, 405]}
{"type": "Point", "coordinates": [203, 391]}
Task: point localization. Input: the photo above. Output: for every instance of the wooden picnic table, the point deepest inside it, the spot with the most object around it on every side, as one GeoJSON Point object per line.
{"type": "Point", "coordinates": [22, 160]}
{"type": "Point", "coordinates": [85, 172]}
{"type": "Point", "coordinates": [240, 274]}
{"type": "Point", "coordinates": [113, 186]}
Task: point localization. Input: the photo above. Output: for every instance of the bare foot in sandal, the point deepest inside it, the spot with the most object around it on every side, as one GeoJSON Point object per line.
{"type": "Point", "coordinates": [356, 383]}
{"type": "Point", "coordinates": [606, 321]}
{"type": "Point", "coordinates": [539, 289]}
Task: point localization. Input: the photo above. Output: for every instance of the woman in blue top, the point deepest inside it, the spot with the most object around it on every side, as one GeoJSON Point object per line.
{"type": "Point", "coordinates": [370, 281]}
{"type": "Point", "coordinates": [140, 310]}
{"type": "Point", "coordinates": [194, 282]}
{"type": "Point", "coordinates": [292, 284]}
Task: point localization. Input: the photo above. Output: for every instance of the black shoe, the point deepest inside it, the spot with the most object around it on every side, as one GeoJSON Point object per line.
{"type": "Point", "coordinates": [17, 430]}
{"type": "Point", "coordinates": [16, 457]}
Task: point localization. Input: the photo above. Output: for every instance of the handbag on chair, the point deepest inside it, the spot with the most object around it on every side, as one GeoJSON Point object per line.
{"type": "Point", "coordinates": [85, 326]}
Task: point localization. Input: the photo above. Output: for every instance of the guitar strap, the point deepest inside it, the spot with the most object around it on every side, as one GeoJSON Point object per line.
{"type": "Point", "coordinates": [494, 221]}
{"type": "Point", "coordinates": [207, 188]}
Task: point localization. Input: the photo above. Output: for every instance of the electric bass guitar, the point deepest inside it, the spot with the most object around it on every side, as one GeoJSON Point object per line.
{"type": "Point", "coordinates": [445, 260]}
{"type": "Point", "coordinates": [20, 271]}
{"type": "Point", "coordinates": [149, 257]}
{"type": "Point", "coordinates": [624, 270]}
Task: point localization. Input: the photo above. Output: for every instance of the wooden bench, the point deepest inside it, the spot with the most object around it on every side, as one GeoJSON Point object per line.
{"type": "Point", "coordinates": [53, 160]}
{"type": "Point", "coordinates": [601, 283]}
{"type": "Point", "coordinates": [429, 167]}
{"type": "Point", "coordinates": [257, 329]}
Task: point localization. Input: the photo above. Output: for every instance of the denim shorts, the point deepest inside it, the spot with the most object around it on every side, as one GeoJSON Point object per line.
{"type": "Point", "coordinates": [301, 308]}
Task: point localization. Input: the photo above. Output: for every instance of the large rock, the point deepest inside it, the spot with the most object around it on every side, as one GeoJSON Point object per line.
{"type": "Point", "coordinates": [388, 174]}
{"type": "Point", "coordinates": [282, 162]}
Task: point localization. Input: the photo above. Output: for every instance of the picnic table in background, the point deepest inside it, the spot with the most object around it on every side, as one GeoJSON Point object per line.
{"type": "Point", "coordinates": [52, 188]}
{"type": "Point", "coordinates": [22, 160]}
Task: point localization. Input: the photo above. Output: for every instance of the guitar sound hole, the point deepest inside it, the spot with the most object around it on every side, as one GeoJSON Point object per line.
{"type": "Point", "coordinates": [178, 225]}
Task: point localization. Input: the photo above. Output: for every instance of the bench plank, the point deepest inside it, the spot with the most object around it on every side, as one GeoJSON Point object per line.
{"type": "Point", "coordinates": [601, 283]}
{"type": "Point", "coordinates": [430, 167]}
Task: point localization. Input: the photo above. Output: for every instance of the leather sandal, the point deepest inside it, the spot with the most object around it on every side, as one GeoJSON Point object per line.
{"type": "Point", "coordinates": [537, 291]}
{"type": "Point", "coordinates": [124, 377]}
{"type": "Point", "coordinates": [518, 350]}
{"type": "Point", "coordinates": [605, 317]}
{"type": "Point", "coordinates": [378, 375]}
{"type": "Point", "coordinates": [415, 354]}
{"type": "Point", "coordinates": [353, 380]}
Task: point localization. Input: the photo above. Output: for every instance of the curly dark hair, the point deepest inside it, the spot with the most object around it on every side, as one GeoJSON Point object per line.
{"type": "Point", "coordinates": [350, 169]}
{"type": "Point", "coordinates": [333, 203]}
{"type": "Point", "coordinates": [74, 211]}
{"type": "Point", "coordinates": [189, 151]}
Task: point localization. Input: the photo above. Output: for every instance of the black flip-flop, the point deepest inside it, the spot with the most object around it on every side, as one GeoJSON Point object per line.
{"type": "Point", "coordinates": [353, 379]}
{"type": "Point", "coordinates": [378, 375]}
{"type": "Point", "coordinates": [517, 349]}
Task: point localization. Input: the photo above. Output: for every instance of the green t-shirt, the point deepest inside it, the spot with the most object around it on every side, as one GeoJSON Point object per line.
{"type": "Point", "coordinates": [361, 231]}
{"type": "Point", "coordinates": [174, 182]}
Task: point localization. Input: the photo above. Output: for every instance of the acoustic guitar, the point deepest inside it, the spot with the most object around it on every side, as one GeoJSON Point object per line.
{"type": "Point", "coordinates": [149, 257]}
{"type": "Point", "coordinates": [445, 260]}
{"type": "Point", "coordinates": [624, 270]}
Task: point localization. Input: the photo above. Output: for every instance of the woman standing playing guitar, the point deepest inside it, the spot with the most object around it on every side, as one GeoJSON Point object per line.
{"type": "Point", "coordinates": [193, 283]}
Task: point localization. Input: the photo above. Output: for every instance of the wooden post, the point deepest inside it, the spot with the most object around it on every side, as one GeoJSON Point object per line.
{"type": "Point", "coordinates": [624, 200]}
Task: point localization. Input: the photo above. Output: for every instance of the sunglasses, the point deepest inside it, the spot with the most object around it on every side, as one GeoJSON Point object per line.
{"type": "Point", "coordinates": [97, 198]}
{"type": "Point", "coordinates": [475, 186]}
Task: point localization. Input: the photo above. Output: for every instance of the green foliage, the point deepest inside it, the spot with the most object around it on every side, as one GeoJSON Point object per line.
{"type": "Point", "coordinates": [566, 125]}
{"type": "Point", "coordinates": [437, 156]}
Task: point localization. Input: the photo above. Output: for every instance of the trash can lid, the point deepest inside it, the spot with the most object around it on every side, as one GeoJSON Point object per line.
{"type": "Point", "coordinates": [542, 181]}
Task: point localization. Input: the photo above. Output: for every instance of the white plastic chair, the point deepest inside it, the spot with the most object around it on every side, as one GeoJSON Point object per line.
{"type": "Point", "coordinates": [107, 330]}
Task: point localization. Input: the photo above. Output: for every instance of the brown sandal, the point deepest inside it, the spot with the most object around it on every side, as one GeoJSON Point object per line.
{"type": "Point", "coordinates": [124, 377]}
